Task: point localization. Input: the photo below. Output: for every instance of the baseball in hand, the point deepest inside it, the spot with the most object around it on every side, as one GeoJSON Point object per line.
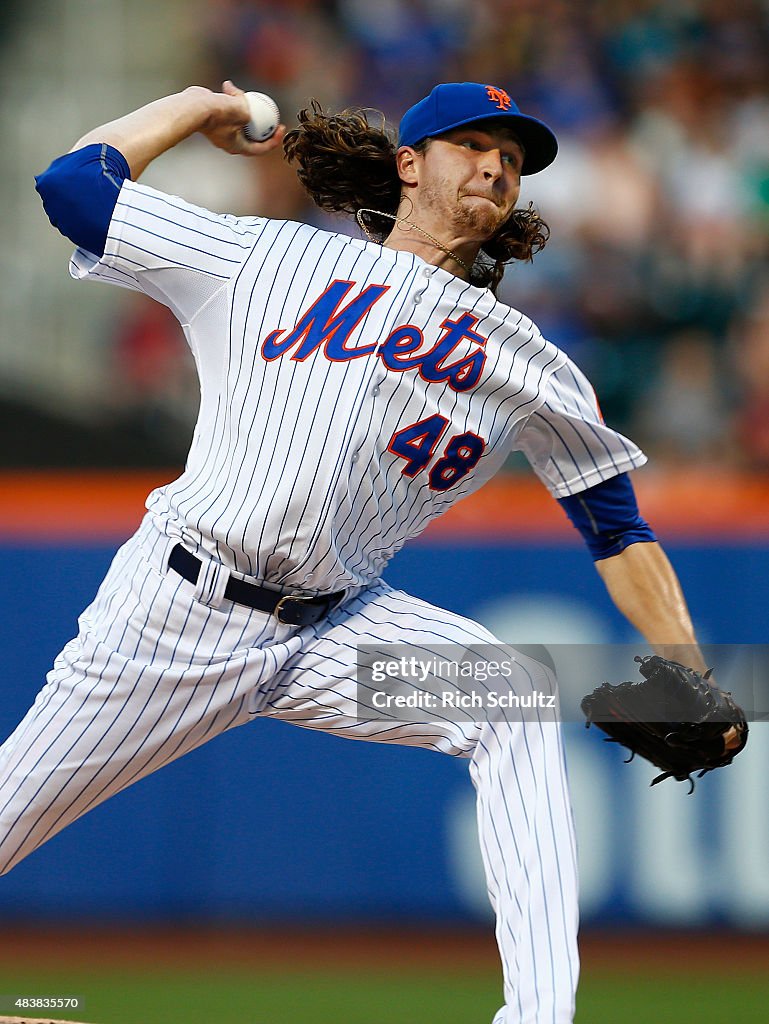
{"type": "Point", "coordinates": [265, 117]}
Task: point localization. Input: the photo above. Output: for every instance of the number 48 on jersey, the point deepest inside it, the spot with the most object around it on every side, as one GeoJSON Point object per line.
{"type": "Point", "coordinates": [417, 443]}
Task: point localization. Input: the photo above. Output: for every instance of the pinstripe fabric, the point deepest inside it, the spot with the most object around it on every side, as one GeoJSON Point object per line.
{"type": "Point", "coordinates": [349, 395]}
{"type": "Point", "coordinates": [290, 478]}
{"type": "Point", "coordinates": [152, 674]}
{"type": "Point", "coordinates": [155, 672]}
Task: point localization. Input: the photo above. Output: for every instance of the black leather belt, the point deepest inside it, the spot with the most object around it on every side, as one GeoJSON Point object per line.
{"type": "Point", "coordinates": [290, 609]}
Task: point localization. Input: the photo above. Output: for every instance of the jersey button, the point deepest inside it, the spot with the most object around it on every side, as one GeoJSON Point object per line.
{"type": "Point", "coordinates": [375, 390]}
{"type": "Point", "coordinates": [417, 299]}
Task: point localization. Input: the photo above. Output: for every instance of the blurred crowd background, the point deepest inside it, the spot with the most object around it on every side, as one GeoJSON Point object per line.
{"type": "Point", "coordinates": [655, 279]}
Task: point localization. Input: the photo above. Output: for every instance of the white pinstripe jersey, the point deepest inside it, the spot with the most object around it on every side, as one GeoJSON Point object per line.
{"type": "Point", "coordinates": [349, 393]}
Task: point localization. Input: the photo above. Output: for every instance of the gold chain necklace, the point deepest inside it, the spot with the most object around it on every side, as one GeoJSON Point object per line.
{"type": "Point", "coordinates": [409, 226]}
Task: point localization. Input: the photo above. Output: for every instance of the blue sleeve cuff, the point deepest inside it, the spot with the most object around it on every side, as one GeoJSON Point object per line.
{"type": "Point", "coordinates": [607, 517]}
{"type": "Point", "coordinates": [79, 191]}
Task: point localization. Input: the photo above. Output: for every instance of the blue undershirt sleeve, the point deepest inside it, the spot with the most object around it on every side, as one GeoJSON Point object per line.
{"type": "Point", "coordinates": [607, 517]}
{"type": "Point", "coordinates": [79, 191]}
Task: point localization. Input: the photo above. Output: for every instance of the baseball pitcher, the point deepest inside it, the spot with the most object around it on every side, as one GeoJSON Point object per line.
{"type": "Point", "coordinates": [352, 389]}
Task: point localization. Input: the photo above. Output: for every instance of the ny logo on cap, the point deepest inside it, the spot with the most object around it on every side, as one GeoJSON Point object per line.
{"type": "Point", "coordinates": [498, 96]}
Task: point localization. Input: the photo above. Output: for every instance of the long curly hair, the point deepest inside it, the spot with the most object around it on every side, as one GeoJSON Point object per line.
{"type": "Point", "coordinates": [347, 164]}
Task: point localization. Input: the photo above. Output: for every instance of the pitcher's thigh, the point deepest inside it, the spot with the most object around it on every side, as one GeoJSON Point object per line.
{"type": "Point", "coordinates": [319, 688]}
{"type": "Point", "coordinates": [95, 729]}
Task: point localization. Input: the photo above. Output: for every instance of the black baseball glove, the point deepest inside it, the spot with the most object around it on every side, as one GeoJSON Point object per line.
{"type": "Point", "coordinates": [673, 717]}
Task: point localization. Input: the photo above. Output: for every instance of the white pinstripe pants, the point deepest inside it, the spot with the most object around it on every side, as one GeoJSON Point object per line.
{"type": "Point", "coordinates": [154, 672]}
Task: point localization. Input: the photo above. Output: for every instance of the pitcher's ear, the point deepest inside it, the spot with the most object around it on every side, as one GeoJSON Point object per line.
{"type": "Point", "coordinates": [406, 162]}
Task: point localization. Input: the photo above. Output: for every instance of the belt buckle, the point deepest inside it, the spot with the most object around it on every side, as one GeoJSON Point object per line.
{"type": "Point", "coordinates": [290, 597]}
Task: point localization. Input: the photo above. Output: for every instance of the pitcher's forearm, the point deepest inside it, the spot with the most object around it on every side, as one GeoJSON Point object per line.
{"type": "Point", "coordinates": [146, 133]}
{"type": "Point", "coordinates": [644, 587]}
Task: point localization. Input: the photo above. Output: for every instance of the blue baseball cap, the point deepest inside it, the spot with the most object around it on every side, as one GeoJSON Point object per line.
{"type": "Point", "coordinates": [456, 103]}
